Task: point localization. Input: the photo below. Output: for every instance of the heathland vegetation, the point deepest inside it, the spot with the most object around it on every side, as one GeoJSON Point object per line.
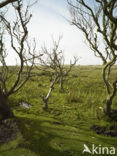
{"type": "Point", "coordinates": [66, 125]}
{"type": "Point", "coordinates": [48, 108]}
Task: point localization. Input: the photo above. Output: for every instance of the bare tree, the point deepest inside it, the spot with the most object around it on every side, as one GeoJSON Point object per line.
{"type": "Point", "coordinates": [16, 33]}
{"type": "Point", "coordinates": [100, 31]}
{"type": "Point", "coordinates": [54, 60]}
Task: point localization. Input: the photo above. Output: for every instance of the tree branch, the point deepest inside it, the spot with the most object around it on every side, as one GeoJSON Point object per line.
{"type": "Point", "coordinates": [6, 2]}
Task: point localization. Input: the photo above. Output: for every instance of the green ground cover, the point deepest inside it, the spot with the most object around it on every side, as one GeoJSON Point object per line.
{"type": "Point", "coordinates": [65, 127]}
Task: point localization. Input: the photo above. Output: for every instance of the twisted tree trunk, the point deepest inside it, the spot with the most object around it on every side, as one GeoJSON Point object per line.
{"type": "Point", "coordinates": [110, 99]}
{"type": "Point", "coordinates": [45, 99]}
{"type": "Point", "coordinates": [108, 105]}
{"type": "Point", "coordinates": [5, 110]}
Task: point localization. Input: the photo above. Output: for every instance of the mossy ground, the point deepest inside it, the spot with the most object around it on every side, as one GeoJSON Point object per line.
{"type": "Point", "coordinates": [65, 127]}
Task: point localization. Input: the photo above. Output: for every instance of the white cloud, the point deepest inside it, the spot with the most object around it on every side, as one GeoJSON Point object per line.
{"type": "Point", "coordinates": [48, 20]}
{"type": "Point", "coordinates": [45, 23]}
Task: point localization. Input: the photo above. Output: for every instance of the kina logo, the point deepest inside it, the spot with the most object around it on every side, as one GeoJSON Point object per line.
{"type": "Point", "coordinates": [99, 150]}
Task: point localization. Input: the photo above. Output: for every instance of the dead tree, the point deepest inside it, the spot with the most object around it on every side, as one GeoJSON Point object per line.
{"type": "Point", "coordinates": [16, 34]}
{"type": "Point", "coordinates": [55, 61]}
{"type": "Point", "coordinates": [64, 72]}
{"type": "Point", "coordinates": [45, 99]}
{"type": "Point", "coordinates": [98, 24]}
{"type": "Point", "coordinates": [59, 61]}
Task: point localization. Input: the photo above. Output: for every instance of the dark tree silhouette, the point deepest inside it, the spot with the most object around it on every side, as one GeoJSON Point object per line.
{"type": "Point", "coordinates": [6, 2]}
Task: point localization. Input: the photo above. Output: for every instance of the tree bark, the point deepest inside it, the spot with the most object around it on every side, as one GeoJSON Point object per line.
{"type": "Point", "coordinates": [108, 105]}
{"type": "Point", "coordinates": [5, 2]}
{"type": "Point", "coordinates": [45, 100]}
{"type": "Point", "coordinates": [110, 98]}
{"type": "Point", "coordinates": [5, 110]}
{"type": "Point", "coordinates": [45, 104]}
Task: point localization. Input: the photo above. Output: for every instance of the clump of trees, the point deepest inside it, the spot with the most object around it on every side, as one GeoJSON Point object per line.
{"type": "Point", "coordinates": [54, 61]}
{"type": "Point", "coordinates": [14, 39]}
{"type": "Point", "coordinates": [12, 79]}
{"type": "Point", "coordinates": [98, 23]}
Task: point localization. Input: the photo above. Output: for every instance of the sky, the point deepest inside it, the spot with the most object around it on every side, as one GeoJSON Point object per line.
{"type": "Point", "coordinates": [50, 18]}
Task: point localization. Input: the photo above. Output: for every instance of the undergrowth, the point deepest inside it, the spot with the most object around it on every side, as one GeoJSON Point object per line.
{"type": "Point", "coordinates": [65, 127]}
